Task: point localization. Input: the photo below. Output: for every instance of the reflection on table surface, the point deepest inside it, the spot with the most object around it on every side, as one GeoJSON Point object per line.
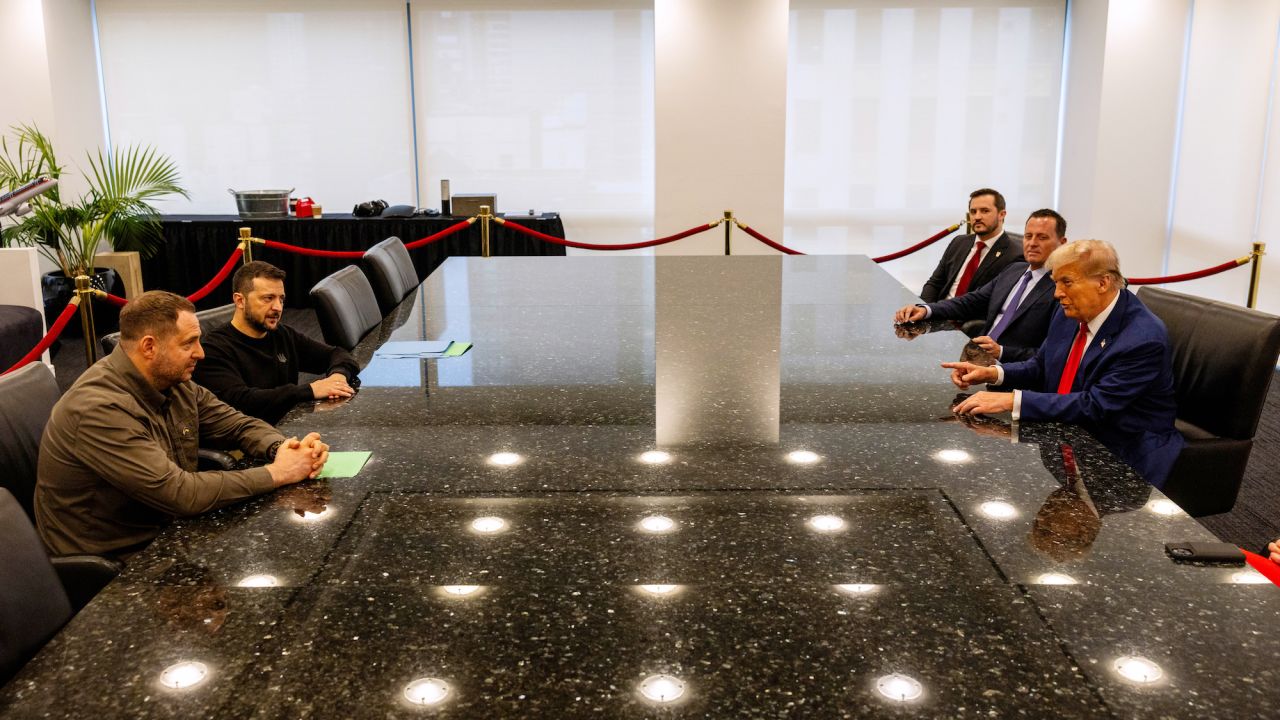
{"type": "Point", "coordinates": [690, 486]}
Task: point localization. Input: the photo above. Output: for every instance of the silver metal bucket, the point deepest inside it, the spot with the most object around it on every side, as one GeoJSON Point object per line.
{"type": "Point", "coordinates": [262, 204]}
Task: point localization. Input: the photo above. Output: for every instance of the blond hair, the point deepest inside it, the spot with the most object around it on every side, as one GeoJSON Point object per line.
{"type": "Point", "coordinates": [1096, 258]}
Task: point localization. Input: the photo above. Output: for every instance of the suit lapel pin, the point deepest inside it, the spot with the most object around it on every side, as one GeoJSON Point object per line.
{"type": "Point", "coordinates": [998, 253]}
{"type": "Point", "coordinates": [1102, 345]}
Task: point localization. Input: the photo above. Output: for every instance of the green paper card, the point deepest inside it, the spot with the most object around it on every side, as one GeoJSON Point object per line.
{"type": "Point", "coordinates": [456, 348]}
{"type": "Point", "coordinates": [344, 464]}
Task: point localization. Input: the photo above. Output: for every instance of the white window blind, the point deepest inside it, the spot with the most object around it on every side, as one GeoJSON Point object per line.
{"type": "Point", "coordinates": [548, 105]}
{"type": "Point", "coordinates": [897, 110]}
{"type": "Point", "coordinates": [252, 94]}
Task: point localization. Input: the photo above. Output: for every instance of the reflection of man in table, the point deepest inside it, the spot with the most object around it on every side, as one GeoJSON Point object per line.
{"type": "Point", "coordinates": [1017, 305]}
{"type": "Point", "coordinates": [253, 362]}
{"type": "Point", "coordinates": [971, 261]}
{"type": "Point", "coordinates": [118, 457]}
{"type": "Point", "coordinates": [1094, 483]}
{"type": "Point", "coordinates": [1105, 365]}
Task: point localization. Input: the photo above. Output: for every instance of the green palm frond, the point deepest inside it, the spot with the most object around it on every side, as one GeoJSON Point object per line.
{"type": "Point", "coordinates": [117, 207]}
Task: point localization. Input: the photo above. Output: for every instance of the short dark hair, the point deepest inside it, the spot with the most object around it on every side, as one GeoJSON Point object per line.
{"type": "Point", "coordinates": [154, 313]}
{"type": "Point", "coordinates": [988, 191]}
{"type": "Point", "coordinates": [1059, 222]}
{"type": "Point", "coordinates": [242, 281]}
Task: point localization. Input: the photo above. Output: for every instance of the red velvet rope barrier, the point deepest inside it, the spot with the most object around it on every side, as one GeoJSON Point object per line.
{"type": "Point", "coordinates": [1191, 275]}
{"type": "Point", "coordinates": [767, 241]}
{"type": "Point", "coordinates": [628, 246]}
{"type": "Point", "coordinates": [213, 284]}
{"type": "Point", "coordinates": [113, 299]}
{"type": "Point", "coordinates": [54, 331]}
{"type": "Point", "coordinates": [438, 236]}
{"type": "Point", "coordinates": [312, 252]}
{"type": "Point", "coordinates": [918, 246]}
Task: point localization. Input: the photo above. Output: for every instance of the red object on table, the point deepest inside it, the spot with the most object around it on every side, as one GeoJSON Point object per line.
{"type": "Point", "coordinates": [1269, 570]}
{"type": "Point", "coordinates": [303, 208]}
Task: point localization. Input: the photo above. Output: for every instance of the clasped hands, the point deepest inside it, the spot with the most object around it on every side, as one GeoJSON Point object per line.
{"type": "Point", "coordinates": [964, 374]}
{"type": "Point", "coordinates": [916, 313]}
{"type": "Point", "coordinates": [297, 460]}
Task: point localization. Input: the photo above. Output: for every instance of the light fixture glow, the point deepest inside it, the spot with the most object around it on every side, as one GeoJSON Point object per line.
{"type": "Point", "coordinates": [505, 459]}
{"type": "Point", "coordinates": [826, 523]}
{"type": "Point", "coordinates": [1055, 579]}
{"type": "Point", "coordinates": [488, 524]}
{"type": "Point", "coordinates": [901, 688]}
{"type": "Point", "coordinates": [858, 588]}
{"type": "Point", "coordinates": [655, 457]}
{"type": "Point", "coordinates": [660, 589]}
{"type": "Point", "coordinates": [662, 688]}
{"type": "Point", "coordinates": [1248, 577]}
{"type": "Point", "coordinates": [803, 457]}
{"type": "Point", "coordinates": [998, 510]}
{"type": "Point", "coordinates": [308, 516]}
{"type": "Point", "coordinates": [952, 456]}
{"type": "Point", "coordinates": [1164, 507]}
{"type": "Point", "coordinates": [259, 581]}
{"type": "Point", "coordinates": [1137, 669]}
{"type": "Point", "coordinates": [460, 590]}
{"type": "Point", "coordinates": [427, 691]}
{"type": "Point", "coordinates": [657, 524]}
{"type": "Point", "coordinates": [183, 675]}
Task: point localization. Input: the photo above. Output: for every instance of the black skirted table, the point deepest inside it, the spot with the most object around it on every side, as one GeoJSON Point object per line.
{"type": "Point", "coordinates": [197, 246]}
{"type": "Point", "coordinates": [673, 487]}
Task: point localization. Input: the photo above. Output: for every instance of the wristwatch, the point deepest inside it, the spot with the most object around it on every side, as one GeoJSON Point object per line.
{"type": "Point", "coordinates": [271, 451]}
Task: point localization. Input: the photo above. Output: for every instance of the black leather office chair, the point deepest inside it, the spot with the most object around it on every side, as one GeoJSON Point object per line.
{"type": "Point", "coordinates": [1223, 359]}
{"type": "Point", "coordinates": [27, 396]}
{"type": "Point", "coordinates": [346, 307]}
{"type": "Point", "coordinates": [38, 596]}
{"type": "Point", "coordinates": [391, 272]}
{"type": "Point", "coordinates": [210, 320]}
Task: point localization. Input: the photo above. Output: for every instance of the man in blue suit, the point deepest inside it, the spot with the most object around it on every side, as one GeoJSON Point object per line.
{"type": "Point", "coordinates": [1017, 305]}
{"type": "Point", "coordinates": [1105, 365]}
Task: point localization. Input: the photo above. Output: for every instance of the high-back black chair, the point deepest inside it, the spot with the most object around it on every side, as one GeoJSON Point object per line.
{"type": "Point", "coordinates": [346, 307]}
{"type": "Point", "coordinates": [27, 397]}
{"type": "Point", "coordinates": [210, 320]}
{"type": "Point", "coordinates": [1223, 359]}
{"type": "Point", "coordinates": [391, 272]}
{"type": "Point", "coordinates": [38, 596]}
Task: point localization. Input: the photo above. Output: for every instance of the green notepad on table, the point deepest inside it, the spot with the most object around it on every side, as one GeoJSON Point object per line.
{"type": "Point", "coordinates": [408, 349]}
{"type": "Point", "coordinates": [344, 464]}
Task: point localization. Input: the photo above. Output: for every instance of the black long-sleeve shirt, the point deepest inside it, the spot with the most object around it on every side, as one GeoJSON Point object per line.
{"type": "Point", "coordinates": [259, 376]}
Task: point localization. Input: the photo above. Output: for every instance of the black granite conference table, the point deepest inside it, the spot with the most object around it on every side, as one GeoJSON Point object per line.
{"type": "Point", "coordinates": [822, 538]}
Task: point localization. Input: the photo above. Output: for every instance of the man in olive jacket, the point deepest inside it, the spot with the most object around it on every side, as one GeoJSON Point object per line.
{"type": "Point", "coordinates": [118, 457]}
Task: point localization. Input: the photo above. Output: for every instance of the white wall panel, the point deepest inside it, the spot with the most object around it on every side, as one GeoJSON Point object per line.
{"type": "Point", "coordinates": [1219, 166]}
{"type": "Point", "coordinates": [720, 69]}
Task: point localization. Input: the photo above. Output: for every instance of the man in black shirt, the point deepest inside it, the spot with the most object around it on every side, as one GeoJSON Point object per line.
{"type": "Point", "coordinates": [252, 363]}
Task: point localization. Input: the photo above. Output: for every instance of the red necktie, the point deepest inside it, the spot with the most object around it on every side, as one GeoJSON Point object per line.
{"type": "Point", "coordinates": [1073, 360]}
{"type": "Point", "coordinates": [970, 269]}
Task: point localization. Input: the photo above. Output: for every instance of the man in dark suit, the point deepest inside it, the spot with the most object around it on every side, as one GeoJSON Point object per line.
{"type": "Point", "coordinates": [1017, 305]}
{"type": "Point", "coordinates": [971, 261]}
{"type": "Point", "coordinates": [1105, 365]}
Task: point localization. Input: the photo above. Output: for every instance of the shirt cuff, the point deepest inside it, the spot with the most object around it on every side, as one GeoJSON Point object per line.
{"type": "Point", "coordinates": [999, 374]}
{"type": "Point", "coordinates": [928, 311]}
{"type": "Point", "coordinates": [260, 480]}
{"type": "Point", "coordinates": [1017, 404]}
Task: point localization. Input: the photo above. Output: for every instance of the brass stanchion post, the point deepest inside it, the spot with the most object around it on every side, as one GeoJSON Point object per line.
{"type": "Point", "coordinates": [84, 291]}
{"type": "Point", "coordinates": [728, 228]}
{"type": "Point", "coordinates": [1255, 272]}
{"type": "Point", "coordinates": [486, 215]}
{"type": "Point", "coordinates": [246, 244]}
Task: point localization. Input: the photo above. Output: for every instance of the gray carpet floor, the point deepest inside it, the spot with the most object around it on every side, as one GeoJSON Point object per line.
{"type": "Point", "coordinates": [1253, 522]}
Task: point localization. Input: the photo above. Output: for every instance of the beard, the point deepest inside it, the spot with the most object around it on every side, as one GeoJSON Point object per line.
{"type": "Point", "coordinates": [260, 322]}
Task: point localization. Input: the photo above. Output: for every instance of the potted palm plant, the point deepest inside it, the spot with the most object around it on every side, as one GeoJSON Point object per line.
{"type": "Point", "coordinates": [116, 208]}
